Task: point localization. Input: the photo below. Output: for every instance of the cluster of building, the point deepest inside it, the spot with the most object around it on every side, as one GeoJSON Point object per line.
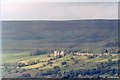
{"type": "Point", "coordinates": [62, 53]}
{"type": "Point", "coordinates": [91, 54]}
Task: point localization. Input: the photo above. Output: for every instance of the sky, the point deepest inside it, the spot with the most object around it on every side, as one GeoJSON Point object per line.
{"type": "Point", "coordinates": [16, 10]}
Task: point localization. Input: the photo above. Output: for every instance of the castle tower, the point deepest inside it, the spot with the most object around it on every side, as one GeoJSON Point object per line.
{"type": "Point", "coordinates": [62, 53]}
{"type": "Point", "coordinates": [55, 53]}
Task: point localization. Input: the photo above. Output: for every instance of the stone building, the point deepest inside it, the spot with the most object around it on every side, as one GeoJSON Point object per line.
{"type": "Point", "coordinates": [59, 53]}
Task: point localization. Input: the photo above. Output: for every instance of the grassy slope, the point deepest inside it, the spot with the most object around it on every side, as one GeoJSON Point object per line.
{"type": "Point", "coordinates": [25, 58]}
{"type": "Point", "coordinates": [14, 57]}
{"type": "Point", "coordinates": [82, 60]}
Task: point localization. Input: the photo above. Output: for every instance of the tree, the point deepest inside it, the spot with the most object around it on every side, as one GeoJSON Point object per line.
{"type": "Point", "coordinates": [72, 58]}
{"type": "Point", "coordinates": [27, 75]}
{"type": "Point", "coordinates": [64, 63]}
{"type": "Point", "coordinates": [21, 64]}
{"type": "Point", "coordinates": [90, 57]}
{"type": "Point", "coordinates": [104, 51]}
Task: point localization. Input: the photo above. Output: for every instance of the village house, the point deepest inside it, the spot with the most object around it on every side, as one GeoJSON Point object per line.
{"type": "Point", "coordinates": [114, 54]}
{"type": "Point", "coordinates": [59, 53]}
{"type": "Point", "coordinates": [98, 54]}
{"type": "Point", "coordinates": [84, 54]}
{"type": "Point", "coordinates": [107, 54]}
{"type": "Point", "coordinates": [91, 54]}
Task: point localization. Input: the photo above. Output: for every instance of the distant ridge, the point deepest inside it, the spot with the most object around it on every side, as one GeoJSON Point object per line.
{"type": "Point", "coordinates": [61, 34]}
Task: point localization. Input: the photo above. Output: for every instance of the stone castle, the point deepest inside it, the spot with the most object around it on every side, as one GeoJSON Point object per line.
{"type": "Point", "coordinates": [59, 53]}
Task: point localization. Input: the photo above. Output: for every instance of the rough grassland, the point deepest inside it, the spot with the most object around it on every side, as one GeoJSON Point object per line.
{"type": "Point", "coordinates": [14, 57]}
